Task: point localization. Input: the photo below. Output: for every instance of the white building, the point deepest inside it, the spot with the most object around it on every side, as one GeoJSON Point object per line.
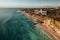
{"type": "Point", "coordinates": [43, 12]}
{"type": "Point", "coordinates": [36, 11]}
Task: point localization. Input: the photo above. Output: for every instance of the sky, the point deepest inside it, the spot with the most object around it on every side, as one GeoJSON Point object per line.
{"type": "Point", "coordinates": [29, 3]}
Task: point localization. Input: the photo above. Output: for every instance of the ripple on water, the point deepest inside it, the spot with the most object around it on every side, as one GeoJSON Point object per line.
{"type": "Point", "coordinates": [20, 27]}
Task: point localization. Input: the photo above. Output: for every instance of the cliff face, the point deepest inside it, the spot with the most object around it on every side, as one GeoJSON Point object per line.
{"type": "Point", "coordinates": [49, 23]}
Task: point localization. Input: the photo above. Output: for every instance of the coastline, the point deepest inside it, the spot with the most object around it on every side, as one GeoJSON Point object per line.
{"type": "Point", "coordinates": [39, 26]}
{"type": "Point", "coordinates": [48, 28]}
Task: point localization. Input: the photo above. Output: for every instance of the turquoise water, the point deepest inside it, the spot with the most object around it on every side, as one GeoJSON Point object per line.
{"type": "Point", "coordinates": [20, 27]}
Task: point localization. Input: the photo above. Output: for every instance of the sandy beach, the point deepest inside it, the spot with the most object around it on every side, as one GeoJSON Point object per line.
{"type": "Point", "coordinates": [46, 27]}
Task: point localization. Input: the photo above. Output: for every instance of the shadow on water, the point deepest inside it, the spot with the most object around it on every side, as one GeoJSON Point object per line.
{"type": "Point", "coordinates": [19, 27]}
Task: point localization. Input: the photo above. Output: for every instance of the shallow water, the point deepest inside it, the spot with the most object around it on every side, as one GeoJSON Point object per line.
{"type": "Point", "coordinates": [20, 27]}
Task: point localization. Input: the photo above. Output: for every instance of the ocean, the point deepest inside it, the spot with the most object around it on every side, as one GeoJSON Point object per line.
{"type": "Point", "coordinates": [20, 27]}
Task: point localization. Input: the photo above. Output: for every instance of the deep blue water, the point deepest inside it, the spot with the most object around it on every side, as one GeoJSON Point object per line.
{"type": "Point", "coordinates": [20, 27]}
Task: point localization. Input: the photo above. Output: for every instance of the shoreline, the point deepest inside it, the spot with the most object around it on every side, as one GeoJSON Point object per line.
{"type": "Point", "coordinates": [50, 31]}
